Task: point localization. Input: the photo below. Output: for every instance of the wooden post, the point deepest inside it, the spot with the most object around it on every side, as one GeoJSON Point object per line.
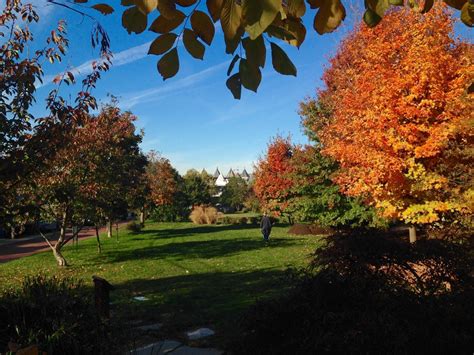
{"type": "Point", "coordinates": [412, 234]}
{"type": "Point", "coordinates": [102, 296]}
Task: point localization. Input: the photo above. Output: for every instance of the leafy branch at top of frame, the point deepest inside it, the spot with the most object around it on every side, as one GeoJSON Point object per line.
{"type": "Point", "coordinates": [244, 23]}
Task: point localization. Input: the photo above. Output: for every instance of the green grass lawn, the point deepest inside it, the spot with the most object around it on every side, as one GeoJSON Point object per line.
{"type": "Point", "coordinates": [192, 275]}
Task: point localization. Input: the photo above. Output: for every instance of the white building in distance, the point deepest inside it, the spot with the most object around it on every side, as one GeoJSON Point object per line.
{"type": "Point", "coordinates": [222, 180]}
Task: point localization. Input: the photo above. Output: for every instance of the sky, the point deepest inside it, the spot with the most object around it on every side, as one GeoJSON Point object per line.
{"type": "Point", "coordinates": [192, 119]}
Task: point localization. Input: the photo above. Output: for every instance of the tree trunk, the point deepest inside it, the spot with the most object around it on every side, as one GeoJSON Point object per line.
{"type": "Point", "coordinates": [412, 234]}
{"type": "Point", "coordinates": [58, 256]}
{"type": "Point", "coordinates": [142, 217]}
{"type": "Point", "coordinates": [12, 232]}
{"type": "Point", "coordinates": [99, 247]}
{"type": "Point", "coordinates": [109, 227]}
{"type": "Point", "coordinates": [59, 244]}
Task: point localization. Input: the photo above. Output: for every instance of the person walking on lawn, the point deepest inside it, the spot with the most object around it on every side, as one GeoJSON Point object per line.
{"type": "Point", "coordinates": [266, 226]}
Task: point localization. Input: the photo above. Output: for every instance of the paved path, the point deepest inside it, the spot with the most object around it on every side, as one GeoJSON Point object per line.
{"type": "Point", "coordinates": [11, 249]}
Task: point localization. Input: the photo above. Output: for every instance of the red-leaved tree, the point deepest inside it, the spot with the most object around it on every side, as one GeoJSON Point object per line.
{"type": "Point", "coordinates": [272, 182]}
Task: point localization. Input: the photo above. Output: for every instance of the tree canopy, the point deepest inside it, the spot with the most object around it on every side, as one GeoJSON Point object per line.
{"type": "Point", "coordinates": [401, 122]}
{"type": "Point", "coordinates": [272, 181]}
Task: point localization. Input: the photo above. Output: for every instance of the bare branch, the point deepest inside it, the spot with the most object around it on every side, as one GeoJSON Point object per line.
{"type": "Point", "coordinates": [46, 239]}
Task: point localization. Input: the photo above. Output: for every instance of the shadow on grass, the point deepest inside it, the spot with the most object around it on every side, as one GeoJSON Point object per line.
{"type": "Point", "coordinates": [371, 293]}
{"type": "Point", "coordinates": [193, 230]}
{"type": "Point", "coordinates": [198, 249]}
{"type": "Point", "coordinates": [206, 299]}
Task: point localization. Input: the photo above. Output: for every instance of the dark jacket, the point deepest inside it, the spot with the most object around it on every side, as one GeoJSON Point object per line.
{"type": "Point", "coordinates": [266, 224]}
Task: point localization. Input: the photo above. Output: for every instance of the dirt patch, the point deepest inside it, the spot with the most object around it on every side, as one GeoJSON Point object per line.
{"type": "Point", "coordinates": [309, 229]}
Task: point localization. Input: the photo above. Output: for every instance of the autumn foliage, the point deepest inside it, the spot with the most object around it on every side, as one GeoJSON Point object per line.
{"type": "Point", "coordinates": [161, 178]}
{"type": "Point", "coordinates": [402, 114]}
{"type": "Point", "coordinates": [272, 183]}
{"type": "Point", "coordinates": [93, 175]}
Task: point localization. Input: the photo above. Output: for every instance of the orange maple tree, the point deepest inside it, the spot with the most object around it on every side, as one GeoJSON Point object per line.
{"type": "Point", "coordinates": [272, 182]}
{"type": "Point", "coordinates": [401, 97]}
{"type": "Point", "coordinates": [161, 177]}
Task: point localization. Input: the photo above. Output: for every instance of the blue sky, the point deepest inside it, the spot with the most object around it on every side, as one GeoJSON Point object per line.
{"type": "Point", "coordinates": [192, 119]}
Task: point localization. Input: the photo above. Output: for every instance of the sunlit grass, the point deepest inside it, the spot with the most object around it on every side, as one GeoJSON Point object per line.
{"type": "Point", "coordinates": [191, 275]}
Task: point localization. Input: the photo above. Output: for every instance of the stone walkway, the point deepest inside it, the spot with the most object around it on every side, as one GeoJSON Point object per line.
{"type": "Point", "coordinates": [173, 347]}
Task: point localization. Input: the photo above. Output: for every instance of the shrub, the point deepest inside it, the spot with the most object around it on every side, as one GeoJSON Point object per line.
{"type": "Point", "coordinates": [134, 226]}
{"type": "Point", "coordinates": [56, 314]}
{"type": "Point", "coordinates": [227, 220]}
{"type": "Point", "coordinates": [254, 220]}
{"type": "Point", "coordinates": [239, 220]}
{"type": "Point", "coordinates": [242, 220]}
{"type": "Point", "coordinates": [204, 215]}
{"type": "Point", "coordinates": [362, 296]}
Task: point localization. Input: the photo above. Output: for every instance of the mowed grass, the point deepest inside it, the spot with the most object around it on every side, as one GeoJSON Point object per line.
{"type": "Point", "coordinates": [191, 275]}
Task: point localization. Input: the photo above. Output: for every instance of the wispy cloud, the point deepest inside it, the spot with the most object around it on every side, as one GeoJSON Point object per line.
{"type": "Point", "coordinates": [150, 95]}
{"type": "Point", "coordinates": [121, 58]}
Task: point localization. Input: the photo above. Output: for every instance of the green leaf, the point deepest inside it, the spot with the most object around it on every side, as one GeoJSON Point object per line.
{"type": "Point", "coordinates": [192, 44]}
{"type": "Point", "coordinates": [104, 9]}
{"type": "Point", "coordinates": [146, 6]}
{"type": "Point", "coordinates": [329, 16]}
{"type": "Point", "coordinates": [235, 86]}
{"type": "Point", "coordinates": [162, 44]}
{"type": "Point", "coordinates": [232, 64]}
{"type": "Point", "coordinates": [215, 8]}
{"type": "Point", "coordinates": [281, 62]}
{"type": "Point", "coordinates": [290, 30]}
{"type": "Point", "coordinates": [133, 20]}
{"type": "Point", "coordinates": [203, 26]}
{"type": "Point", "coordinates": [457, 4]}
{"type": "Point", "coordinates": [296, 8]}
{"type": "Point", "coordinates": [168, 65]}
{"type": "Point", "coordinates": [255, 51]}
{"type": "Point", "coordinates": [315, 4]}
{"type": "Point", "coordinates": [467, 14]}
{"type": "Point", "coordinates": [280, 33]}
{"type": "Point", "coordinates": [185, 3]}
{"type": "Point", "coordinates": [378, 6]}
{"type": "Point", "coordinates": [250, 76]}
{"type": "Point", "coordinates": [299, 30]}
{"type": "Point", "coordinates": [258, 15]}
{"type": "Point", "coordinates": [231, 18]}
{"type": "Point", "coordinates": [427, 6]}
{"type": "Point", "coordinates": [371, 18]}
{"type": "Point", "coordinates": [231, 44]}
{"type": "Point", "coordinates": [167, 8]}
{"type": "Point", "coordinates": [164, 25]}
{"type": "Point", "coordinates": [396, 2]}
